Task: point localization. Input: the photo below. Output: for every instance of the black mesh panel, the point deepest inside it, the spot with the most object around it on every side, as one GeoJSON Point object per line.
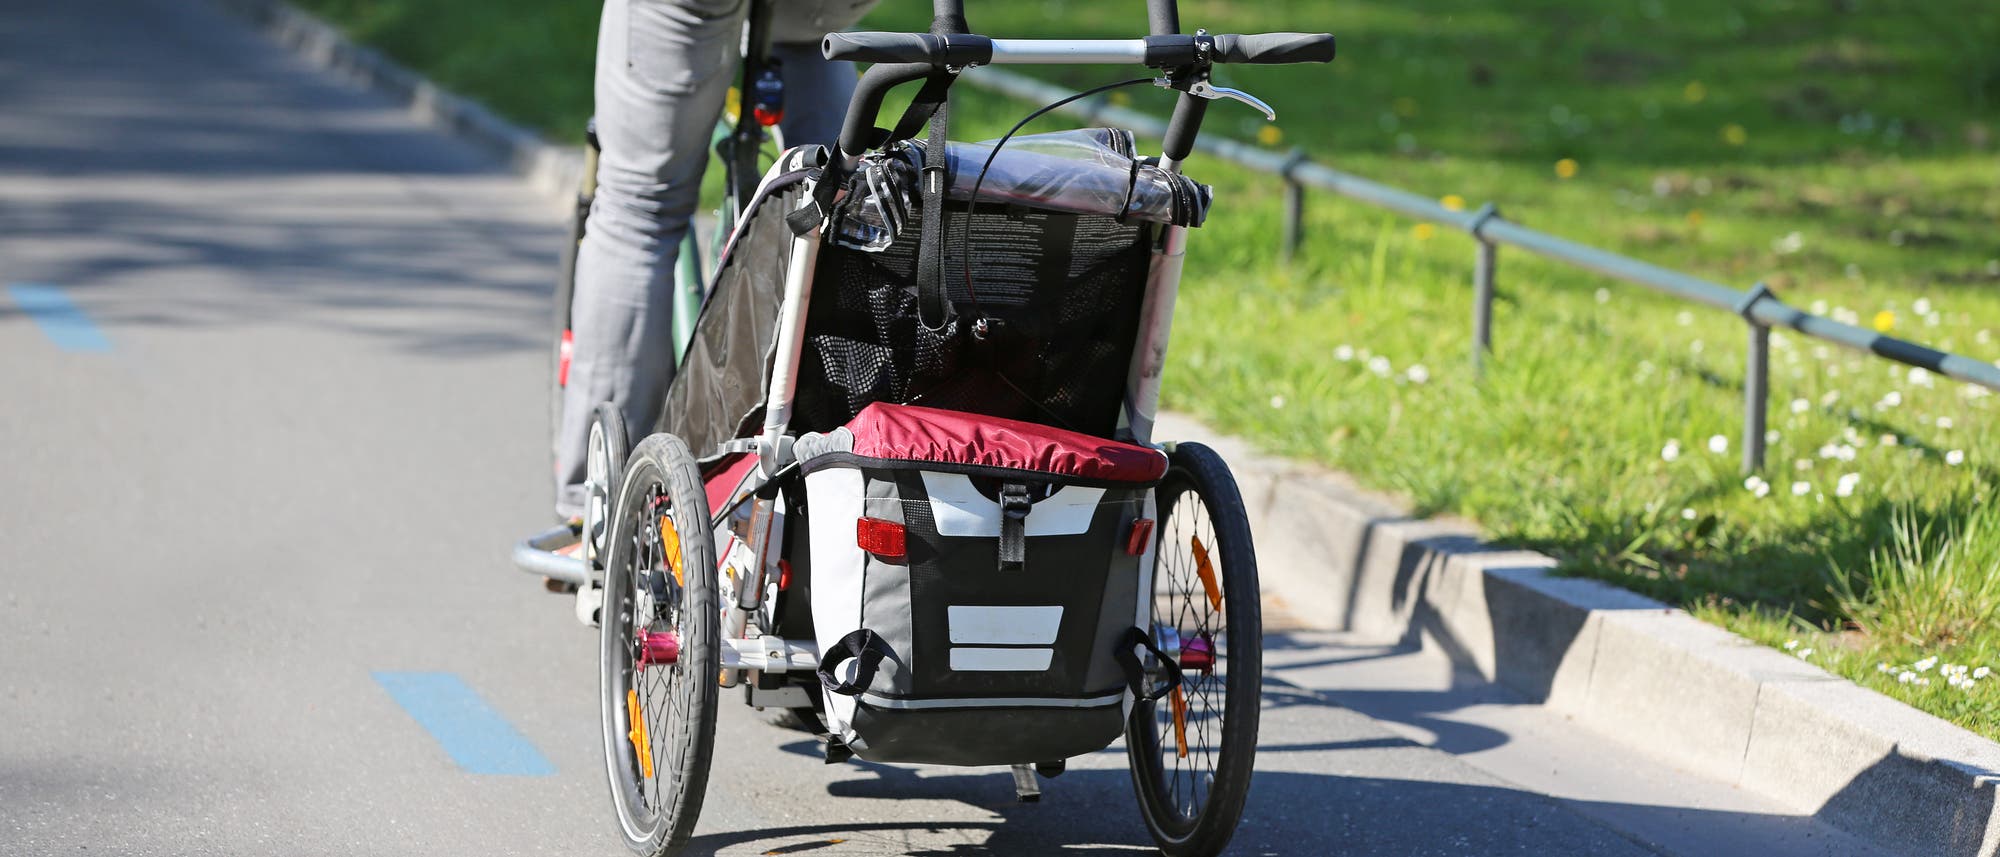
{"type": "Point", "coordinates": [1062, 292]}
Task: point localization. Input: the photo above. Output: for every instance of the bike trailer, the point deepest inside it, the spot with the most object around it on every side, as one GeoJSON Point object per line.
{"type": "Point", "coordinates": [973, 581]}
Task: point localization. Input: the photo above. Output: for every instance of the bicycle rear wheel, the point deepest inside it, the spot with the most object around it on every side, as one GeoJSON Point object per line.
{"type": "Point", "coordinates": [1192, 752]}
{"type": "Point", "coordinates": [660, 652]}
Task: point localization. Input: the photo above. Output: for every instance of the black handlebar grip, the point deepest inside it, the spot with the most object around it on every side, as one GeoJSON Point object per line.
{"type": "Point", "coordinates": [955, 50]}
{"type": "Point", "coordinates": [1275, 48]}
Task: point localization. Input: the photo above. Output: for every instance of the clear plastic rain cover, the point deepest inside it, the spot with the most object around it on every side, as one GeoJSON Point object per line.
{"type": "Point", "coordinates": [1086, 171]}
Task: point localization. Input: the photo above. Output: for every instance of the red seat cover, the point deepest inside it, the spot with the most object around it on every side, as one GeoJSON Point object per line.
{"type": "Point", "coordinates": [911, 432]}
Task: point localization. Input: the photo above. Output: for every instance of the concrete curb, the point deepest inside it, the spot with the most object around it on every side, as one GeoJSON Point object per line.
{"type": "Point", "coordinates": [1343, 558]}
{"type": "Point", "coordinates": [551, 169]}
{"type": "Point", "coordinates": [1629, 667]}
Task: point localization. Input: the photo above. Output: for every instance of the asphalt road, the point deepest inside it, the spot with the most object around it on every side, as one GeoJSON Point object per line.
{"type": "Point", "coordinates": [274, 413]}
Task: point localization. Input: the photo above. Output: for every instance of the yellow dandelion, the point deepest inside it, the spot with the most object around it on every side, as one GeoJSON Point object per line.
{"type": "Point", "coordinates": [1423, 231]}
{"type": "Point", "coordinates": [1406, 107]}
{"type": "Point", "coordinates": [1694, 218]}
{"type": "Point", "coordinates": [1885, 321]}
{"type": "Point", "coordinates": [1694, 92]}
{"type": "Point", "coordinates": [1452, 202]}
{"type": "Point", "coordinates": [1269, 135]}
{"type": "Point", "coordinates": [1734, 135]}
{"type": "Point", "coordinates": [1566, 168]}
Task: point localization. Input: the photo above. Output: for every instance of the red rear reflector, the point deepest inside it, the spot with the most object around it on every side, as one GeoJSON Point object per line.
{"type": "Point", "coordinates": [767, 118]}
{"type": "Point", "coordinates": [562, 362]}
{"type": "Point", "coordinates": [1142, 535]}
{"type": "Point", "coordinates": [784, 575]}
{"type": "Point", "coordinates": [879, 537]}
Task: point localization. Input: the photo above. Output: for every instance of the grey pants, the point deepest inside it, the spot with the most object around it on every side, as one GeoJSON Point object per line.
{"type": "Point", "coordinates": [664, 68]}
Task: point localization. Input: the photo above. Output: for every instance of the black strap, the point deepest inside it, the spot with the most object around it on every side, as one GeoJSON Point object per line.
{"type": "Point", "coordinates": [925, 105]}
{"type": "Point", "coordinates": [867, 650]}
{"type": "Point", "coordinates": [935, 183]}
{"type": "Point", "coordinates": [1015, 503]}
{"type": "Point", "coordinates": [1135, 675]}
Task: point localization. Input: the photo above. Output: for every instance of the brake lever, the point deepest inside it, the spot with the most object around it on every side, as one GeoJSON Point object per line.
{"type": "Point", "coordinates": [1204, 89]}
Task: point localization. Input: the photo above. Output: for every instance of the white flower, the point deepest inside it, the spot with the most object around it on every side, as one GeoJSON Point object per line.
{"type": "Point", "coordinates": [1846, 316]}
{"type": "Point", "coordinates": [1920, 681]}
{"type": "Point", "coordinates": [1925, 665]}
{"type": "Point", "coordinates": [1696, 346]}
{"type": "Point", "coordinates": [1277, 402]}
{"type": "Point", "coordinates": [1801, 489]}
{"type": "Point", "coordinates": [1890, 400]}
{"type": "Point", "coordinates": [1845, 487]}
{"type": "Point", "coordinates": [1889, 440]}
{"type": "Point", "coordinates": [1791, 644]}
{"type": "Point", "coordinates": [1343, 353]}
{"type": "Point", "coordinates": [1830, 397]}
{"type": "Point", "coordinates": [1800, 406]}
{"type": "Point", "coordinates": [1944, 422]}
{"type": "Point", "coordinates": [1983, 337]}
{"type": "Point", "coordinates": [1418, 374]}
{"type": "Point", "coordinates": [1756, 485]}
{"type": "Point", "coordinates": [1718, 444]}
{"type": "Point", "coordinates": [1379, 366]}
{"type": "Point", "coordinates": [1818, 307]}
{"type": "Point", "coordinates": [1791, 243]}
{"type": "Point", "coordinates": [1905, 677]}
{"type": "Point", "coordinates": [1921, 377]}
{"type": "Point", "coordinates": [1921, 307]}
{"type": "Point", "coordinates": [1687, 514]}
{"type": "Point", "coordinates": [1882, 667]}
{"type": "Point", "coordinates": [1604, 296]}
{"type": "Point", "coordinates": [1684, 317]}
{"type": "Point", "coordinates": [1805, 653]}
{"type": "Point", "coordinates": [1955, 457]}
{"type": "Point", "coordinates": [1933, 320]}
{"type": "Point", "coordinates": [1802, 465]}
{"type": "Point", "coordinates": [1982, 672]}
{"type": "Point", "coordinates": [1772, 436]}
{"type": "Point", "coordinates": [1671, 451]}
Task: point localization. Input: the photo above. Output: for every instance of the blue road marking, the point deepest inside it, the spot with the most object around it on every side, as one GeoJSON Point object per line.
{"type": "Point", "coordinates": [476, 736]}
{"type": "Point", "coordinates": [59, 317]}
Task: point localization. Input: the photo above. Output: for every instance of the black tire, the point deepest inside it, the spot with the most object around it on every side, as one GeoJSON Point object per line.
{"type": "Point", "coordinates": [657, 807]}
{"type": "Point", "coordinates": [603, 474]}
{"type": "Point", "coordinates": [1192, 804]}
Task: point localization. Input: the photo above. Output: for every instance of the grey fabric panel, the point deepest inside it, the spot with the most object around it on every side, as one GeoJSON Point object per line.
{"type": "Point", "coordinates": [815, 444]}
{"type": "Point", "coordinates": [885, 598]}
{"type": "Point", "coordinates": [1121, 586]}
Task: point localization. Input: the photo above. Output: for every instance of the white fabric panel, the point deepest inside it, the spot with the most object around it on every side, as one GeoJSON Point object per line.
{"type": "Point", "coordinates": [1020, 626]}
{"type": "Point", "coordinates": [959, 509]}
{"type": "Point", "coordinates": [836, 499]}
{"type": "Point", "coordinates": [974, 659]}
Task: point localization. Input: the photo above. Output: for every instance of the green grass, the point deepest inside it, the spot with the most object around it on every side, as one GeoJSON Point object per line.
{"type": "Point", "coordinates": [1842, 151]}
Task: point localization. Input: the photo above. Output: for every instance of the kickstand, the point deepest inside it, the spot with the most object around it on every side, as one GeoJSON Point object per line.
{"type": "Point", "coordinates": [1026, 789]}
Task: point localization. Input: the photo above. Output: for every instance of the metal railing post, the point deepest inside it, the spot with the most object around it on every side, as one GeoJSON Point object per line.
{"type": "Point", "coordinates": [1756, 382]}
{"type": "Point", "coordinates": [1482, 288]}
{"type": "Point", "coordinates": [1295, 206]}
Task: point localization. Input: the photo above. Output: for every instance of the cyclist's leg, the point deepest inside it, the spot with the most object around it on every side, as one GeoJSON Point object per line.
{"type": "Point", "coordinates": [663, 70]}
{"type": "Point", "coordinates": [816, 93]}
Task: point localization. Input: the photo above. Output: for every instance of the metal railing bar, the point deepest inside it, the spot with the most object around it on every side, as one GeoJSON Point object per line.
{"type": "Point", "coordinates": [1757, 309]}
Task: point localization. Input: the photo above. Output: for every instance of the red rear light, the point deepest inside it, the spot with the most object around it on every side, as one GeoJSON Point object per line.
{"type": "Point", "coordinates": [1142, 535]}
{"type": "Point", "coordinates": [879, 537]}
{"type": "Point", "coordinates": [784, 575]}
{"type": "Point", "coordinates": [564, 351]}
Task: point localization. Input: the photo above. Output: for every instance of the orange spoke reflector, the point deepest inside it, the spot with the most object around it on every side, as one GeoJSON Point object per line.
{"type": "Point", "coordinates": [1180, 721]}
{"type": "Point", "coordinates": [641, 745]}
{"type": "Point", "coordinates": [670, 543]}
{"type": "Point", "coordinates": [1206, 570]}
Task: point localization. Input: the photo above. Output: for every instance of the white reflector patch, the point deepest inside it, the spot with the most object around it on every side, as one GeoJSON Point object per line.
{"type": "Point", "coordinates": [1017, 626]}
{"type": "Point", "coordinates": [969, 659]}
